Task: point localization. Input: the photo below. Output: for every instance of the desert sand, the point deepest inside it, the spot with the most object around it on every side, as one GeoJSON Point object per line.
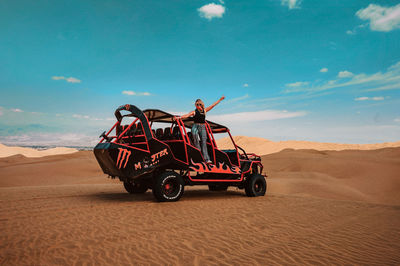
{"type": "Point", "coordinates": [263, 146]}
{"type": "Point", "coordinates": [321, 207]}
{"type": "Point", "coordinates": [6, 151]}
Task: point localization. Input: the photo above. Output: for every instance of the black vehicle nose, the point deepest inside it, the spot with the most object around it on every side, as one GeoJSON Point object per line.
{"type": "Point", "coordinates": [104, 153]}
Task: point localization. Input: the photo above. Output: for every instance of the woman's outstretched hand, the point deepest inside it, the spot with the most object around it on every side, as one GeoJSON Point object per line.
{"type": "Point", "coordinates": [214, 104]}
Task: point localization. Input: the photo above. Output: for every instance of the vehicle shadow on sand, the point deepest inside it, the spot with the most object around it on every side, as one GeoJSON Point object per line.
{"type": "Point", "coordinates": [122, 197]}
{"type": "Point", "coordinates": [191, 194]}
{"type": "Point", "coordinates": [210, 195]}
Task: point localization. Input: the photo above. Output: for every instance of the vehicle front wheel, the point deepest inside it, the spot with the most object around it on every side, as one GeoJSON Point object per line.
{"type": "Point", "coordinates": [255, 185]}
{"type": "Point", "coordinates": [168, 186]}
{"type": "Point", "coordinates": [135, 187]}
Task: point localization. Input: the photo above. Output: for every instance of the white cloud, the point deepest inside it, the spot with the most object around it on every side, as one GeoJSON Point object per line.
{"type": "Point", "coordinates": [16, 110]}
{"type": "Point", "coordinates": [296, 84]}
{"type": "Point", "coordinates": [240, 98]}
{"type": "Point", "coordinates": [361, 99]}
{"type": "Point", "coordinates": [245, 85]}
{"type": "Point", "coordinates": [70, 79]}
{"type": "Point", "coordinates": [381, 18]}
{"type": "Point", "coordinates": [397, 119]}
{"type": "Point", "coordinates": [355, 29]}
{"type": "Point", "coordinates": [380, 98]}
{"type": "Point", "coordinates": [131, 93]}
{"type": "Point", "coordinates": [389, 80]}
{"type": "Point", "coordinates": [73, 80]}
{"type": "Point", "coordinates": [323, 70]}
{"type": "Point", "coordinates": [395, 86]}
{"type": "Point", "coordinates": [51, 139]}
{"type": "Point", "coordinates": [345, 74]}
{"type": "Point", "coordinates": [58, 77]}
{"type": "Point", "coordinates": [80, 116]}
{"type": "Point", "coordinates": [291, 4]}
{"type": "Point", "coordinates": [211, 11]}
{"type": "Point", "coordinates": [255, 116]}
{"type": "Point", "coordinates": [377, 98]}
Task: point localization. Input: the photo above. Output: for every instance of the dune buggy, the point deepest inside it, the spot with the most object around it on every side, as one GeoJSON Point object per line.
{"type": "Point", "coordinates": [166, 160]}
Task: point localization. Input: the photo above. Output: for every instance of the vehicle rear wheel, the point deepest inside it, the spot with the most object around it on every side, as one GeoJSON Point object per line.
{"type": "Point", "coordinates": [168, 186]}
{"type": "Point", "coordinates": [255, 186]}
{"type": "Point", "coordinates": [135, 187]}
{"type": "Point", "coordinates": [218, 187]}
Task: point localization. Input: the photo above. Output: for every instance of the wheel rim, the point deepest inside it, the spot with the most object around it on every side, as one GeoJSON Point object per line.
{"type": "Point", "coordinates": [170, 188]}
{"type": "Point", "coordinates": [258, 186]}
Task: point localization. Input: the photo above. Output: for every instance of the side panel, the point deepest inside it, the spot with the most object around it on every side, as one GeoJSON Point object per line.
{"type": "Point", "coordinates": [220, 168]}
{"type": "Point", "coordinates": [124, 161]}
{"type": "Point", "coordinates": [247, 166]}
{"type": "Point", "coordinates": [194, 154]}
{"type": "Point", "coordinates": [222, 157]}
{"type": "Point", "coordinates": [178, 148]}
{"type": "Point", "coordinates": [233, 157]}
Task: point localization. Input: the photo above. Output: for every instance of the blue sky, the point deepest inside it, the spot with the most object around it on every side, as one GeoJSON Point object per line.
{"type": "Point", "coordinates": [303, 70]}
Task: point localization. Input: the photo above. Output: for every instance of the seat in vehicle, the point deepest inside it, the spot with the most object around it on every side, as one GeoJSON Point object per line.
{"type": "Point", "coordinates": [121, 128]}
{"type": "Point", "coordinates": [159, 133]}
{"type": "Point", "coordinates": [176, 133]}
{"type": "Point", "coordinates": [131, 131]}
{"type": "Point", "coordinates": [167, 133]}
{"type": "Point", "coordinates": [139, 129]}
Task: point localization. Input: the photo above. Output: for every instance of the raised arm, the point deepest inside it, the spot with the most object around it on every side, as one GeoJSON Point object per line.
{"type": "Point", "coordinates": [187, 115]}
{"type": "Point", "coordinates": [214, 104]}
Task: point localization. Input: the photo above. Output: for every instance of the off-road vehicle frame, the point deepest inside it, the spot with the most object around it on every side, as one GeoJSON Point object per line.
{"type": "Point", "coordinates": [166, 159]}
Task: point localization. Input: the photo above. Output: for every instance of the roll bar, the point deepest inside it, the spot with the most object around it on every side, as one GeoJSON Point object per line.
{"type": "Point", "coordinates": [136, 112]}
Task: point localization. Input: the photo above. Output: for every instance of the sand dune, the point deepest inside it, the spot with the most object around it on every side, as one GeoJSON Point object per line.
{"type": "Point", "coordinates": [76, 168]}
{"type": "Point", "coordinates": [321, 207]}
{"type": "Point", "coordinates": [6, 151]}
{"type": "Point", "coordinates": [370, 176]}
{"type": "Point", "coordinates": [263, 146]}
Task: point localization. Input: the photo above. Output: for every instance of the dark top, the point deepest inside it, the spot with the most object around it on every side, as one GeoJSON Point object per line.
{"type": "Point", "coordinates": [199, 117]}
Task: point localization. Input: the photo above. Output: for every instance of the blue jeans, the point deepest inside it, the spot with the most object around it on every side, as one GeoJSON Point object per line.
{"type": "Point", "coordinates": [199, 132]}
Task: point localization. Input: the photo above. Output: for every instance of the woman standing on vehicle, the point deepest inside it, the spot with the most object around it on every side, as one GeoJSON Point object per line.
{"type": "Point", "coordinates": [199, 128]}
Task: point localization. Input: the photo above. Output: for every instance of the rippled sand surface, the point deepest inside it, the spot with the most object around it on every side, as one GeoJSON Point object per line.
{"type": "Point", "coordinates": [337, 207]}
{"type": "Point", "coordinates": [102, 224]}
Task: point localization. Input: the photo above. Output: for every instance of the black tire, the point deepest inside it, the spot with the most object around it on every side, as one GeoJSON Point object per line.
{"type": "Point", "coordinates": [136, 187]}
{"type": "Point", "coordinates": [255, 185]}
{"type": "Point", "coordinates": [218, 187]}
{"type": "Point", "coordinates": [168, 186]}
